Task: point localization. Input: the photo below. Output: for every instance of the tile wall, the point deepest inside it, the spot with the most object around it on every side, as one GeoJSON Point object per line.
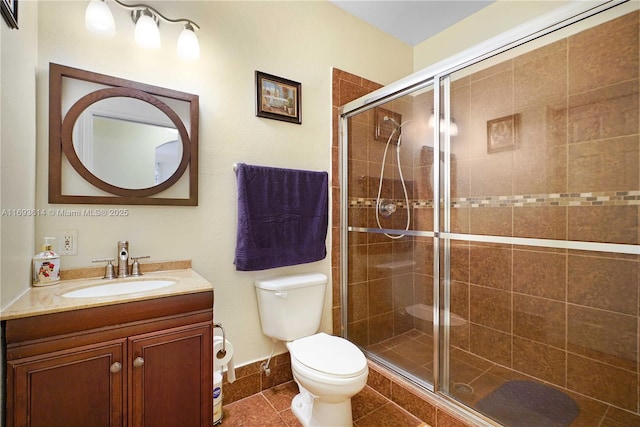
{"type": "Point", "coordinates": [346, 88]}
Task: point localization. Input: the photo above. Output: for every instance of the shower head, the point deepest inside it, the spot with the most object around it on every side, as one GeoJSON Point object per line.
{"type": "Point", "coordinates": [396, 130]}
{"type": "Point", "coordinates": [391, 119]}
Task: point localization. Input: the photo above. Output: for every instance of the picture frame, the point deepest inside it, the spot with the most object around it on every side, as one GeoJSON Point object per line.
{"type": "Point", "coordinates": [384, 128]}
{"type": "Point", "coordinates": [278, 98]}
{"type": "Point", "coordinates": [502, 133]}
{"type": "Point", "coordinates": [9, 9]}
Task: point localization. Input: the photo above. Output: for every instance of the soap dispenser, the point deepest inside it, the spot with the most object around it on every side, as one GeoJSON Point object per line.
{"type": "Point", "coordinates": [46, 265]}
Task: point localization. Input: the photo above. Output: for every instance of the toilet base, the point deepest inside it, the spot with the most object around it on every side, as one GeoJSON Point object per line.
{"type": "Point", "coordinates": [314, 412]}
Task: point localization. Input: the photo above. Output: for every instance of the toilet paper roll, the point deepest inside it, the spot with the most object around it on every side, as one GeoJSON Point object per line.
{"type": "Point", "coordinates": [217, 347]}
{"type": "Point", "coordinates": [226, 359]}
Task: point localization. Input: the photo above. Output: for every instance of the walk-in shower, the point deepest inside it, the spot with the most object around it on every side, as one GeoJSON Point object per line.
{"type": "Point", "coordinates": [496, 264]}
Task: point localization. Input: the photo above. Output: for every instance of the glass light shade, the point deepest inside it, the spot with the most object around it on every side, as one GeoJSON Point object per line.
{"type": "Point", "coordinates": [98, 19]}
{"type": "Point", "coordinates": [432, 120]}
{"type": "Point", "coordinates": [453, 128]}
{"type": "Point", "coordinates": [188, 46]}
{"type": "Point", "coordinates": [147, 33]}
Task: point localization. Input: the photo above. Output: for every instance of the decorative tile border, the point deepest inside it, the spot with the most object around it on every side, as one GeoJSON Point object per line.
{"type": "Point", "coordinates": [606, 198]}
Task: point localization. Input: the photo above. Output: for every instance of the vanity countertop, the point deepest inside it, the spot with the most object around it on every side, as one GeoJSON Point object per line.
{"type": "Point", "coordinates": [49, 299]}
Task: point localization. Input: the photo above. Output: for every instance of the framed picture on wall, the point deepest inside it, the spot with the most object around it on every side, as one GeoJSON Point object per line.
{"type": "Point", "coordinates": [502, 133]}
{"type": "Point", "coordinates": [9, 10]}
{"type": "Point", "coordinates": [278, 98]}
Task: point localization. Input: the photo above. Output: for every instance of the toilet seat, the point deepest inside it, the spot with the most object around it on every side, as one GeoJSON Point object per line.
{"type": "Point", "coordinates": [329, 355]}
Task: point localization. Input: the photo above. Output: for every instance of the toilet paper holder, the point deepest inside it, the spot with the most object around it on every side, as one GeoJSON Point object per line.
{"type": "Point", "coordinates": [222, 352]}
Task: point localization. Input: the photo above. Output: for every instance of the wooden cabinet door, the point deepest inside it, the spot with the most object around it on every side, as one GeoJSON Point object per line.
{"type": "Point", "coordinates": [77, 387]}
{"type": "Point", "coordinates": [170, 380]}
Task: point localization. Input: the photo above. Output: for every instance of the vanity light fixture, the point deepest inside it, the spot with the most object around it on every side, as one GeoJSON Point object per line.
{"type": "Point", "coordinates": [453, 128]}
{"type": "Point", "coordinates": [147, 33]}
{"type": "Point", "coordinates": [99, 20]}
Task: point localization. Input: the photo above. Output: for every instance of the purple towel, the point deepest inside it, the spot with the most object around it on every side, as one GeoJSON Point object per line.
{"type": "Point", "coordinates": [282, 217]}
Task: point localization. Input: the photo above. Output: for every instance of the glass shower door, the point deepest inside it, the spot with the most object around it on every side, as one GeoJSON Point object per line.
{"type": "Point", "coordinates": [390, 234]}
{"type": "Point", "coordinates": [543, 259]}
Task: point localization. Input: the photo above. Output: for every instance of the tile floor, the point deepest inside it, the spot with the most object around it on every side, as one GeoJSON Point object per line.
{"type": "Point", "coordinates": [473, 378]}
{"type": "Point", "coordinates": [271, 408]}
{"type": "Point", "coordinates": [412, 351]}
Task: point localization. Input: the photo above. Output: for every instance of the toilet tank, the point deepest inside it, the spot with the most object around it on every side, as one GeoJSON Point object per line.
{"type": "Point", "coordinates": [291, 306]}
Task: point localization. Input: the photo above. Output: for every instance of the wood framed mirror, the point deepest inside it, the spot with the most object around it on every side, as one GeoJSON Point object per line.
{"type": "Point", "coordinates": [116, 141]}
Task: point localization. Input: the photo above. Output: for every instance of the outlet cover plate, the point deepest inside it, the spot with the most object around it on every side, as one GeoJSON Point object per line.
{"type": "Point", "coordinates": [68, 242]}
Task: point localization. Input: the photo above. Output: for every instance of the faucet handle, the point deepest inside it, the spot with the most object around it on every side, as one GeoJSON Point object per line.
{"type": "Point", "coordinates": [109, 272]}
{"type": "Point", "coordinates": [135, 267]}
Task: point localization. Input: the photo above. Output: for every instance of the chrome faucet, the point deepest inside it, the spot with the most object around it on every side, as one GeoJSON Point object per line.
{"type": "Point", "coordinates": [123, 263]}
{"type": "Point", "coordinates": [123, 258]}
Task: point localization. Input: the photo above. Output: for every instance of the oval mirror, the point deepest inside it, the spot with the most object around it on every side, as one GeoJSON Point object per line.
{"type": "Point", "coordinates": [117, 160]}
{"type": "Point", "coordinates": [132, 134]}
{"type": "Point", "coordinates": [129, 142]}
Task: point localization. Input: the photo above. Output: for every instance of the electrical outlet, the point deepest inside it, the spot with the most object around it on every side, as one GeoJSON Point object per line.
{"type": "Point", "coordinates": [68, 242]}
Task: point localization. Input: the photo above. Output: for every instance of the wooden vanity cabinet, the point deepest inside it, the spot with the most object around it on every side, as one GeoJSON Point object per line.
{"type": "Point", "coordinates": [67, 388]}
{"type": "Point", "coordinates": [144, 363]}
{"type": "Point", "coordinates": [165, 382]}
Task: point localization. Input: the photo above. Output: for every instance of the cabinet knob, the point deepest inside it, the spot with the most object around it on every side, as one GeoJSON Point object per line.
{"type": "Point", "coordinates": [115, 367]}
{"type": "Point", "coordinates": [138, 362]}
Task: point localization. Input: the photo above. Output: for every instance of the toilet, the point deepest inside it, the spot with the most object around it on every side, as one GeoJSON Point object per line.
{"type": "Point", "coordinates": [329, 370]}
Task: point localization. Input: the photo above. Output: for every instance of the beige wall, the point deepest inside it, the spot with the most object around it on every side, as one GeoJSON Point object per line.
{"type": "Point", "coordinates": [17, 153]}
{"type": "Point", "coordinates": [18, 54]}
{"type": "Point", "coordinates": [489, 22]}
{"type": "Point", "coordinates": [300, 41]}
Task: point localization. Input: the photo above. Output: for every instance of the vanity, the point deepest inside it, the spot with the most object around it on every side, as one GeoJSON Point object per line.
{"type": "Point", "coordinates": [134, 351]}
{"type": "Point", "coordinates": [141, 358]}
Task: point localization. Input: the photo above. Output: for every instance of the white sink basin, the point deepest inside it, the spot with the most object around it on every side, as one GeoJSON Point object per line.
{"type": "Point", "coordinates": [119, 288]}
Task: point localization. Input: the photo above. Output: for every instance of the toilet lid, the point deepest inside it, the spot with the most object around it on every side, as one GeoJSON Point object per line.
{"type": "Point", "coordinates": [328, 354]}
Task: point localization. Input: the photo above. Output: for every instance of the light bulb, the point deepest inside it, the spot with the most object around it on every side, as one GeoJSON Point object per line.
{"type": "Point", "coordinates": [432, 120]}
{"type": "Point", "coordinates": [98, 19]}
{"type": "Point", "coordinates": [147, 33]}
{"type": "Point", "coordinates": [454, 128]}
{"type": "Point", "coordinates": [188, 46]}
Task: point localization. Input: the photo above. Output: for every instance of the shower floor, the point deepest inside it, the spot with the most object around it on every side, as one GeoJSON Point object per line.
{"type": "Point", "coordinates": [473, 378]}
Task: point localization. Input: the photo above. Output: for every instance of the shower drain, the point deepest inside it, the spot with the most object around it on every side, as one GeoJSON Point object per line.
{"type": "Point", "coordinates": [463, 388]}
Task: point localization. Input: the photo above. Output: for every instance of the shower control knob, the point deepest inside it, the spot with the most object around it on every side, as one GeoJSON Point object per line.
{"type": "Point", "coordinates": [387, 208]}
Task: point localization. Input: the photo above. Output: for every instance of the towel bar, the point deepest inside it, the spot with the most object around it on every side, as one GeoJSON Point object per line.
{"type": "Point", "coordinates": [235, 167]}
